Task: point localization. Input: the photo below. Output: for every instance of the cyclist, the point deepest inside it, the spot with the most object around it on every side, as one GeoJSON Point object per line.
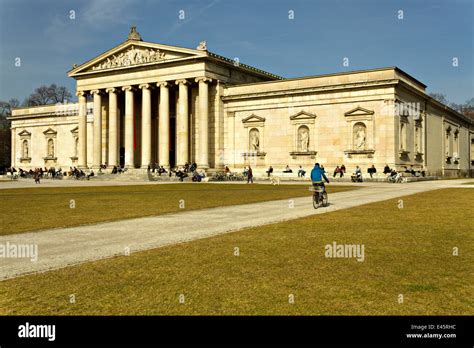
{"type": "Point", "coordinates": [317, 176]}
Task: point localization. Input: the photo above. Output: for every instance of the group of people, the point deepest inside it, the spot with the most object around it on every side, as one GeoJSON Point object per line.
{"type": "Point", "coordinates": [36, 173]}
{"type": "Point", "coordinates": [301, 171]}
{"type": "Point", "coordinates": [184, 171]}
{"type": "Point", "coordinates": [339, 171]}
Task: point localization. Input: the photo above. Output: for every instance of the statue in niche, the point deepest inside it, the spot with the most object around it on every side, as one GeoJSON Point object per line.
{"type": "Point", "coordinates": [254, 140]}
{"type": "Point", "coordinates": [359, 136]}
{"type": "Point", "coordinates": [25, 149]}
{"type": "Point", "coordinates": [303, 139]}
{"type": "Point", "coordinates": [50, 148]}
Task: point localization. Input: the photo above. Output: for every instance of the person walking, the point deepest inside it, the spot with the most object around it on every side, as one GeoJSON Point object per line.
{"type": "Point", "coordinates": [249, 175]}
{"type": "Point", "coordinates": [37, 177]}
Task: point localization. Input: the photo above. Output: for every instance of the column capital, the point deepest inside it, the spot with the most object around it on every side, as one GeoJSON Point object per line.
{"type": "Point", "coordinates": [95, 91]}
{"type": "Point", "coordinates": [80, 93]}
{"type": "Point", "coordinates": [162, 84]}
{"type": "Point", "coordinates": [111, 90]}
{"type": "Point", "coordinates": [203, 79]}
{"type": "Point", "coordinates": [127, 88]}
{"type": "Point", "coordinates": [182, 82]}
{"type": "Point", "coordinates": [144, 86]}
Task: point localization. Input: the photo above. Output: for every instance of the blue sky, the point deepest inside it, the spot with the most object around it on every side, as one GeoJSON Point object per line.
{"type": "Point", "coordinates": [258, 32]}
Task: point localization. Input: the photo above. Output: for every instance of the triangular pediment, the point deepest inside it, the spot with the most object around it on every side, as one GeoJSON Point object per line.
{"type": "Point", "coordinates": [75, 130]}
{"type": "Point", "coordinates": [133, 53]}
{"type": "Point", "coordinates": [303, 115]}
{"type": "Point", "coordinates": [50, 131]}
{"type": "Point", "coordinates": [253, 118]}
{"type": "Point", "coordinates": [24, 133]}
{"type": "Point", "coordinates": [359, 111]}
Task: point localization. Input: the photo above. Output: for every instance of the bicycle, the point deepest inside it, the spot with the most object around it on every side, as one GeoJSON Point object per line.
{"type": "Point", "coordinates": [320, 196]}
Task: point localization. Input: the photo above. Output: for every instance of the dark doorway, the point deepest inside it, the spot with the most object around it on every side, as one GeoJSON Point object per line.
{"type": "Point", "coordinates": [122, 156]}
{"type": "Point", "coordinates": [172, 142]}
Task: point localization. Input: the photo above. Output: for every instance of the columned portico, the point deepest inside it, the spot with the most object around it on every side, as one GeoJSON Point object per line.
{"type": "Point", "coordinates": [129, 127]}
{"type": "Point", "coordinates": [202, 150]}
{"type": "Point", "coordinates": [144, 135]}
{"type": "Point", "coordinates": [164, 125]}
{"type": "Point", "coordinates": [82, 125]}
{"type": "Point", "coordinates": [182, 124]}
{"type": "Point", "coordinates": [146, 125]}
{"type": "Point", "coordinates": [97, 152]}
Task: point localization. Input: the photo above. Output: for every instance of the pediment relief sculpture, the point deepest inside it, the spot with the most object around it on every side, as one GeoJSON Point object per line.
{"type": "Point", "coordinates": [132, 56]}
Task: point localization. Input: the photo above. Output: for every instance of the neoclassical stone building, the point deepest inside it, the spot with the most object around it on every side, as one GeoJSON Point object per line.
{"type": "Point", "coordinates": [141, 103]}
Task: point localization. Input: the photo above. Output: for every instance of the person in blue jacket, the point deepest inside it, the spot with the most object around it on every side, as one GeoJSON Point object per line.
{"type": "Point", "coordinates": [317, 176]}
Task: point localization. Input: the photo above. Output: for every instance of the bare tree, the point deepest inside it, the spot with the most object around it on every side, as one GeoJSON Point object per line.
{"type": "Point", "coordinates": [439, 97]}
{"type": "Point", "coordinates": [6, 107]}
{"type": "Point", "coordinates": [45, 95]}
{"type": "Point", "coordinates": [5, 132]}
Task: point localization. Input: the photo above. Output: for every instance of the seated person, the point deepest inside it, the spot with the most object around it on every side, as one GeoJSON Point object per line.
{"type": "Point", "coordinates": [301, 172]}
{"type": "Point", "coordinates": [90, 174]}
{"type": "Point", "coordinates": [372, 170]}
{"type": "Point", "coordinates": [357, 175]}
{"type": "Point", "coordinates": [269, 171]}
{"type": "Point", "coordinates": [287, 169]}
{"type": "Point", "coordinates": [343, 170]}
{"type": "Point", "coordinates": [386, 169]}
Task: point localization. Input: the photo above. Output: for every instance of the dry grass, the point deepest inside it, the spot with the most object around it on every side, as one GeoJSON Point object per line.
{"type": "Point", "coordinates": [41, 208]}
{"type": "Point", "coordinates": [407, 251]}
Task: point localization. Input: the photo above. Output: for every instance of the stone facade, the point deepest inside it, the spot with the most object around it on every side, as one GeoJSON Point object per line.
{"type": "Point", "coordinates": [142, 103]}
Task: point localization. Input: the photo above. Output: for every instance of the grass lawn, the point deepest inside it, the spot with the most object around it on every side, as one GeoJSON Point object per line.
{"type": "Point", "coordinates": [408, 251]}
{"type": "Point", "coordinates": [40, 208]}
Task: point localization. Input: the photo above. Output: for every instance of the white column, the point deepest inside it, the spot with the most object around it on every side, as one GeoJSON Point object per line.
{"type": "Point", "coordinates": [182, 124]}
{"type": "Point", "coordinates": [113, 127]}
{"type": "Point", "coordinates": [82, 120]}
{"type": "Point", "coordinates": [129, 150]}
{"type": "Point", "coordinates": [146, 125]}
{"type": "Point", "coordinates": [97, 153]}
{"type": "Point", "coordinates": [164, 125]}
{"type": "Point", "coordinates": [202, 150]}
